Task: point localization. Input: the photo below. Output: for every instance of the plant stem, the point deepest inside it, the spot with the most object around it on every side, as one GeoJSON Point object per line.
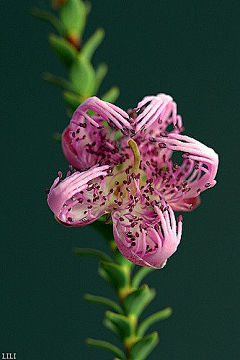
{"type": "Point", "coordinates": [122, 294]}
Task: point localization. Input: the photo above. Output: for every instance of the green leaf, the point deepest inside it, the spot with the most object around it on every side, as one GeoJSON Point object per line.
{"type": "Point", "coordinates": [101, 72]}
{"type": "Point", "coordinates": [82, 76]}
{"type": "Point", "coordinates": [91, 252]}
{"type": "Point", "coordinates": [111, 95]}
{"type": "Point", "coordinates": [58, 81]}
{"type": "Point", "coordinates": [137, 301]}
{"type": "Point", "coordinates": [73, 17]}
{"type": "Point", "coordinates": [121, 260]}
{"type": "Point", "coordinates": [123, 325]}
{"type": "Point", "coordinates": [63, 49]}
{"type": "Point", "coordinates": [107, 346]}
{"type": "Point", "coordinates": [152, 319]}
{"type": "Point", "coordinates": [103, 301]}
{"type": "Point", "coordinates": [92, 43]}
{"type": "Point", "coordinates": [57, 137]}
{"type": "Point", "coordinates": [88, 7]}
{"type": "Point", "coordinates": [48, 17]}
{"type": "Point", "coordinates": [110, 326]}
{"type": "Point", "coordinates": [72, 100]}
{"type": "Point", "coordinates": [143, 347]}
{"type": "Point", "coordinates": [114, 274]}
{"type": "Point", "coordinates": [140, 275]}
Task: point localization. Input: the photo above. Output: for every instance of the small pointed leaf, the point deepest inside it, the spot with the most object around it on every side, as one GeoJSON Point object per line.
{"type": "Point", "coordinates": [73, 17]}
{"type": "Point", "coordinates": [82, 76]}
{"type": "Point", "coordinates": [107, 346]}
{"type": "Point", "coordinates": [88, 7]}
{"type": "Point", "coordinates": [91, 252]}
{"type": "Point", "coordinates": [140, 275]}
{"type": "Point", "coordinates": [72, 100]}
{"type": "Point", "coordinates": [152, 319]}
{"type": "Point", "coordinates": [121, 260]}
{"type": "Point", "coordinates": [57, 136]}
{"type": "Point", "coordinates": [63, 49]}
{"type": "Point", "coordinates": [101, 72]}
{"type": "Point", "coordinates": [110, 326]}
{"type": "Point", "coordinates": [103, 301]}
{"type": "Point", "coordinates": [143, 347]}
{"type": "Point", "coordinates": [50, 18]}
{"type": "Point", "coordinates": [123, 325]}
{"type": "Point", "coordinates": [111, 95]}
{"type": "Point", "coordinates": [92, 43]}
{"type": "Point", "coordinates": [137, 301]}
{"type": "Point", "coordinates": [114, 274]}
{"type": "Point", "coordinates": [58, 81]}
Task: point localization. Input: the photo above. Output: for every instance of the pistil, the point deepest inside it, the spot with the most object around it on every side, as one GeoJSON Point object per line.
{"type": "Point", "coordinates": [136, 155]}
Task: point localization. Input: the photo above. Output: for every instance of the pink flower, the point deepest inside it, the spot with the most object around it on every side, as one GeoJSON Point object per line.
{"type": "Point", "coordinates": [123, 166]}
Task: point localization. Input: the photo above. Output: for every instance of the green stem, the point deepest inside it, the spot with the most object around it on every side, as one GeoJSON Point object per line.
{"type": "Point", "coordinates": [122, 294]}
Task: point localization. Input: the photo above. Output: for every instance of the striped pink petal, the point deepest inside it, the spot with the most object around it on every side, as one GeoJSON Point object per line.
{"type": "Point", "coordinates": [160, 110]}
{"type": "Point", "coordinates": [181, 185]}
{"type": "Point", "coordinates": [79, 199]}
{"type": "Point", "coordinates": [151, 240]}
{"type": "Point", "coordinates": [106, 111]}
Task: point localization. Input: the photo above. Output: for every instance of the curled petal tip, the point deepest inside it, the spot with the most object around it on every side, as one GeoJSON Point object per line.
{"type": "Point", "coordinates": [78, 200]}
{"type": "Point", "coordinates": [147, 244]}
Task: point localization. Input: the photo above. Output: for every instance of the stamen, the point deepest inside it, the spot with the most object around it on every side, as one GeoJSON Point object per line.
{"type": "Point", "coordinates": [136, 155]}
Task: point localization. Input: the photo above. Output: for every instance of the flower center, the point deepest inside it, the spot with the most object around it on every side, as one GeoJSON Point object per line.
{"type": "Point", "coordinates": [122, 184]}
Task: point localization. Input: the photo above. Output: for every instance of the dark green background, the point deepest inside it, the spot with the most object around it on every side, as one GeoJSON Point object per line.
{"type": "Point", "coordinates": [189, 49]}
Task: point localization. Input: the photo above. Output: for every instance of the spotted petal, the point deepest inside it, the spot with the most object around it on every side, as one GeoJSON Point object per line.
{"type": "Point", "coordinates": [181, 185]}
{"type": "Point", "coordinates": [88, 141]}
{"type": "Point", "coordinates": [159, 110]}
{"type": "Point", "coordinates": [85, 145]}
{"type": "Point", "coordinates": [104, 110]}
{"type": "Point", "coordinates": [79, 199]}
{"type": "Point", "coordinates": [150, 241]}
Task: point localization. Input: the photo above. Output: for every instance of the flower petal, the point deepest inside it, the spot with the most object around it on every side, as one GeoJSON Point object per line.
{"type": "Point", "coordinates": [88, 141]}
{"type": "Point", "coordinates": [79, 199]}
{"type": "Point", "coordinates": [107, 111]}
{"type": "Point", "coordinates": [85, 145]}
{"type": "Point", "coordinates": [70, 152]}
{"type": "Point", "coordinates": [151, 242]}
{"type": "Point", "coordinates": [159, 109]}
{"type": "Point", "coordinates": [181, 185]}
{"type": "Point", "coordinates": [185, 204]}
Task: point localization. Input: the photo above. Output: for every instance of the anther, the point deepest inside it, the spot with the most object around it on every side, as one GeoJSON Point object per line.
{"type": "Point", "coordinates": [180, 218]}
{"type": "Point", "coordinates": [152, 139]}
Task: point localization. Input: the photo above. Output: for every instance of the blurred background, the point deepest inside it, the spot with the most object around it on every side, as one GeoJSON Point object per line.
{"type": "Point", "coordinates": [188, 49]}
